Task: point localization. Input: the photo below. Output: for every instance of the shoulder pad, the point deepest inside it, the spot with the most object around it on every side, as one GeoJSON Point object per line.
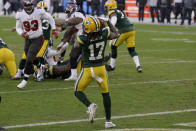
{"type": "Point", "coordinates": [110, 12]}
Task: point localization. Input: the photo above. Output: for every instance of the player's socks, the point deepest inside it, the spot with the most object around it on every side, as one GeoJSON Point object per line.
{"type": "Point", "coordinates": [82, 97]}
{"type": "Point", "coordinates": [136, 61]}
{"type": "Point", "coordinates": [112, 62]}
{"type": "Point", "coordinates": [107, 105]}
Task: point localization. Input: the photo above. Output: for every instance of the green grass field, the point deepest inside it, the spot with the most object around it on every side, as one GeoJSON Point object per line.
{"type": "Point", "coordinates": [161, 97]}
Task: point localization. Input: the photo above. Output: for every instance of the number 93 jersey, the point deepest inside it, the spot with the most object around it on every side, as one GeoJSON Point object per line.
{"type": "Point", "coordinates": [32, 23]}
{"type": "Point", "coordinates": [93, 51]}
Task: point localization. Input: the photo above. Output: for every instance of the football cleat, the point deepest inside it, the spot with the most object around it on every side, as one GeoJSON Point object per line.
{"type": "Point", "coordinates": [109, 68]}
{"type": "Point", "coordinates": [71, 78]}
{"type": "Point", "coordinates": [22, 84]}
{"type": "Point", "coordinates": [109, 125]}
{"type": "Point", "coordinates": [91, 111]}
{"type": "Point", "coordinates": [139, 69]}
{"type": "Point", "coordinates": [17, 76]}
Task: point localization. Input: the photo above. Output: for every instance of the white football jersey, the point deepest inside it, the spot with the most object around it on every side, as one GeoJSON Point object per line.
{"type": "Point", "coordinates": [32, 23]}
{"type": "Point", "coordinates": [78, 26]}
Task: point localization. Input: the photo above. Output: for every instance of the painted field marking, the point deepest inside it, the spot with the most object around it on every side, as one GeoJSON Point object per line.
{"type": "Point", "coordinates": [167, 32]}
{"type": "Point", "coordinates": [161, 62]}
{"type": "Point", "coordinates": [103, 118]}
{"type": "Point", "coordinates": [173, 39]}
{"type": "Point", "coordinates": [165, 50]}
{"type": "Point", "coordinates": [190, 124]}
{"type": "Point", "coordinates": [148, 129]}
{"type": "Point", "coordinates": [113, 84]}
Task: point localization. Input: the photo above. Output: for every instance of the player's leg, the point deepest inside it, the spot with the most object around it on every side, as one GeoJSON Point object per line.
{"type": "Point", "coordinates": [74, 55]}
{"type": "Point", "coordinates": [10, 63]}
{"type": "Point", "coordinates": [130, 43]}
{"type": "Point", "coordinates": [32, 47]}
{"type": "Point", "coordinates": [115, 44]}
{"type": "Point", "coordinates": [82, 82]}
{"type": "Point", "coordinates": [99, 73]}
{"type": "Point", "coordinates": [40, 61]}
{"type": "Point", "coordinates": [20, 68]}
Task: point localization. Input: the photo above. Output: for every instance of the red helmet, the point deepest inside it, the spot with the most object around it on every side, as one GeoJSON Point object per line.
{"type": "Point", "coordinates": [28, 6]}
{"type": "Point", "coordinates": [71, 6]}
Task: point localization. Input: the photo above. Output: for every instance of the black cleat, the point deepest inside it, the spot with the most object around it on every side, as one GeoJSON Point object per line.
{"type": "Point", "coordinates": [139, 69]}
{"type": "Point", "coordinates": [109, 68]}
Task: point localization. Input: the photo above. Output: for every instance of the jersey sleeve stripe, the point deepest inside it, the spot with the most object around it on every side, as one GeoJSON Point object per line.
{"type": "Point", "coordinates": [79, 40]}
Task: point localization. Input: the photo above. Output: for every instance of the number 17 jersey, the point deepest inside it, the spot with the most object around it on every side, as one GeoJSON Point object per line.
{"type": "Point", "coordinates": [93, 51]}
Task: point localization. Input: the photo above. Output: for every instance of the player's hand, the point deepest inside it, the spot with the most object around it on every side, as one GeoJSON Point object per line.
{"type": "Point", "coordinates": [25, 35]}
{"type": "Point", "coordinates": [55, 33]}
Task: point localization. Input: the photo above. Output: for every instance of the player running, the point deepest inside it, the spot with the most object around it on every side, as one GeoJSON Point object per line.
{"type": "Point", "coordinates": [127, 34]}
{"type": "Point", "coordinates": [29, 26]}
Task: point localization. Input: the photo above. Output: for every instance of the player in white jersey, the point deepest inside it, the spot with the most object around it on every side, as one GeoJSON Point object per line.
{"type": "Point", "coordinates": [73, 27]}
{"type": "Point", "coordinates": [29, 26]}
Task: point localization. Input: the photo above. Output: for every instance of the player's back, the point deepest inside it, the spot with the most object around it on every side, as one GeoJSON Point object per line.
{"type": "Point", "coordinates": [93, 49]}
{"type": "Point", "coordinates": [122, 24]}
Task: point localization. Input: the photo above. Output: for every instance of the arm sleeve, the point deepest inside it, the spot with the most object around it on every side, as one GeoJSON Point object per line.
{"type": "Point", "coordinates": [48, 17]}
{"type": "Point", "coordinates": [113, 20]}
{"type": "Point", "coordinates": [19, 29]}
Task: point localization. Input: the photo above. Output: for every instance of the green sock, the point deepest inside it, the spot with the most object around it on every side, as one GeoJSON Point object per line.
{"type": "Point", "coordinates": [82, 97]}
{"type": "Point", "coordinates": [107, 105]}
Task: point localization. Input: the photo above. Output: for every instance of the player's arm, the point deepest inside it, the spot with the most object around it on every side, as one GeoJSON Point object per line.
{"type": "Point", "coordinates": [78, 42]}
{"type": "Point", "coordinates": [19, 29]}
{"type": "Point", "coordinates": [51, 21]}
{"type": "Point", "coordinates": [113, 33]}
{"type": "Point", "coordinates": [72, 22]}
{"type": "Point", "coordinates": [113, 18]}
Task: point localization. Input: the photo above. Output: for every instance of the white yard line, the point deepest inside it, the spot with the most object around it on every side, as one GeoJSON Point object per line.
{"type": "Point", "coordinates": [190, 124]}
{"type": "Point", "coordinates": [161, 62]}
{"type": "Point", "coordinates": [167, 32]}
{"type": "Point", "coordinates": [85, 120]}
{"type": "Point", "coordinates": [111, 84]}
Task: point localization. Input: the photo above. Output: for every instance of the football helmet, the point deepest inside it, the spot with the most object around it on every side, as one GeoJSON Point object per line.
{"type": "Point", "coordinates": [91, 24]}
{"type": "Point", "coordinates": [42, 5]}
{"type": "Point", "coordinates": [28, 6]}
{"type": "Point", "coordinates": [70, 7]}
{"type": "Point", "coordinates": [110, 4]}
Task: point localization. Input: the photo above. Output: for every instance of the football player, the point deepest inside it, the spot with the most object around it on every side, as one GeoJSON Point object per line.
{"type": "Point", "coordinates": [93, 43]}
{"type": "Point", "coordinates": [73, 26]}
{"type": "Point", "coordinates": [7, 58]}
{"type": "Point", "coordinates": [127, 34]}
{"type": "Point", "coordinates": [29, 26]}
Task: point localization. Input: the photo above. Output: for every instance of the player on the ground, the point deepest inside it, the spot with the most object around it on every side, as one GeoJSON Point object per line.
{"type": "Point", "coordinates": [7, 58]}
{"type": "Point", "coordinates": [93, 43]}
{"type": "Point", "coordinates": [73, 26]}
{"type": "Point", "coordinates": [46, 27]}
{"type": "Point", "coordinates": [127, 34]}
{"type": "Point", "coordinates": [29, 26]}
